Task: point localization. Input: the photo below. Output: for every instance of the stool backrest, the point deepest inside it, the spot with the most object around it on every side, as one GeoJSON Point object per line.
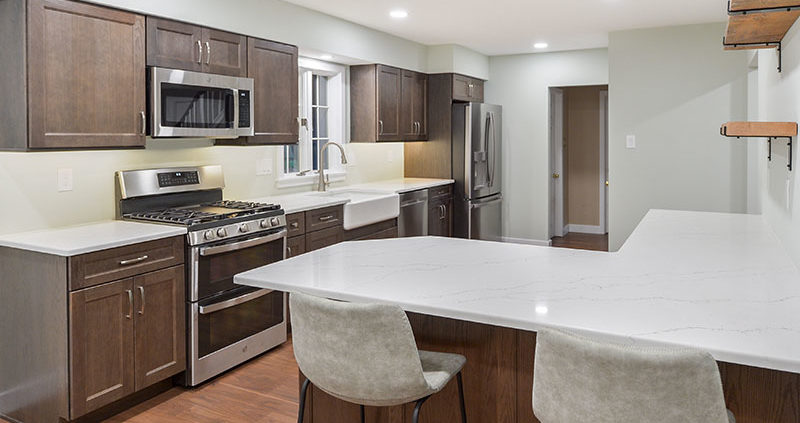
{"type": "Point", "coordinates": [362, 353]}
{"type": "Point", "coordinates": [578, 380]}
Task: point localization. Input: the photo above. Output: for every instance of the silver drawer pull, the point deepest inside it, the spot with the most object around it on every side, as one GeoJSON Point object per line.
{"type": "Point", "coordinates": [295, 225]}
{"type": "Point", "coordinates": [199, 52]}
{"type": "Point", "coordinates": [133, 261]}
{"type": "Point", "coordinates": [325, 218]}
{"type": "Point", "coordinates": [141, 295]}
{"type": "Point", "coordinates": [130, 304]}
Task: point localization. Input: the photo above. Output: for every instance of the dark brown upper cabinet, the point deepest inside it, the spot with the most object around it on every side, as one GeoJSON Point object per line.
{"type": "Point", "coordinates": [467, 89]}
{"type": "Point", "coordinates": [387, 104]}
{"type": "Point", "coordinates": [273, 67]}
{"type": "Point", "coordinates": [73, 76]}
{"type": "Point", "coordinates": [178, 45]}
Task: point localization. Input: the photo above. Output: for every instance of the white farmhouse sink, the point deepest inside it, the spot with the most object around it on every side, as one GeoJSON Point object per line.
{"type": "Point", "coordinates": [365, 207]}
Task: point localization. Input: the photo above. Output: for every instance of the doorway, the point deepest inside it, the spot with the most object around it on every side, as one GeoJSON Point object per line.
{"type": "Point", "coordinates": [579, 167]}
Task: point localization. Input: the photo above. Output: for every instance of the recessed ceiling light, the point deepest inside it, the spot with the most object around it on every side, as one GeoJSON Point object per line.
{"type": "Point", "coordinates": [540, 45]}
{"type": "Point", "coordinates": [326, 57]}
{"type": "Point", "coordinates": [398, 14]}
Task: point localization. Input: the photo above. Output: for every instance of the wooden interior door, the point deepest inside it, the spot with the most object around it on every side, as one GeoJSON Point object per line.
{"type": "Point", "coordinates": [86, 76]}
{"type": "Point", "coordinates": [101, 345]}
{"type": "Point", "coordinates": [273, 67]}
{"type": "Point", "coordinates": [174, 45]}
{"type": "Point", "coordinates": [389, 103]}
{"type": "Point", "coordinates": [224, 53]}
{"type": "Point", "coordinates": [420, 109]}
{"type": "Point", "coordinates": [160, 330]}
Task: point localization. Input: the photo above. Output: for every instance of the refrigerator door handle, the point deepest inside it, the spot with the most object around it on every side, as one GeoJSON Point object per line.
{"type": "Point", "coordinates": [490, 159]}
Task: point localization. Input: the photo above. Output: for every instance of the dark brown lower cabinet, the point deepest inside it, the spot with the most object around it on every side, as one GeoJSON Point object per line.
{"type": "Point", "coordinates": [295, 246]}
{"type": "Point", "coordinates": [125, 336]}
{"type": "Point", "coordinates": [324, 238]}
{"type": "Point", "coordinates": [440, 217]}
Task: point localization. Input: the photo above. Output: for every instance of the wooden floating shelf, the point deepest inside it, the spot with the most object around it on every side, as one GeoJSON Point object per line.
{"type": "Point", "coordinates": [759, 129]}
{"type": "Point", "coordinates": [768, 130]}
{"type": "Point", "coordinates": [760, 5]}
{"type": "Point", "coordinates": [757, 24]}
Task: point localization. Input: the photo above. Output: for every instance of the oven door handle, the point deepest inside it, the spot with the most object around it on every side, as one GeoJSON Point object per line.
{"type": "Point", "coordinates": [234, 301]}
{"type": "Point", "coordinates": [219, 249]}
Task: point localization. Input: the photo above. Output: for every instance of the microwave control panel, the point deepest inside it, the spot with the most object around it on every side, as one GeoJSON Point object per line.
{"type": "Point", "coordinates": [244, 109]}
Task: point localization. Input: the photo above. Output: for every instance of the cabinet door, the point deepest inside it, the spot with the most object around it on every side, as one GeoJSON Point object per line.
{"type": "Point", "coordinates": [408, 123]}
{"type": "Point", "coordinates": [420, 105]}
{"type": "Point", "coordinates": [160, 330]}
{"type": "Point", "coordinates": [174, 45]}
{"type": "Point", "coordinates": [389, 89]}
{"type": "Point", "coordinates": [101, 345]}
{"type": "Point", "coordinates": [86, 76]}
{"type": "Point", "coordinates": [461, 90]}
{"type": "Point", "coordinates": [224, 53]}
{"type": "Point", "coordinates": [273, 66]}
{"type": "Point", "coordinates": [324, 238]}
{"type": "Point", "coordinates": [440, 218]}
{"type": "Point", "coordinates": [295, 246]}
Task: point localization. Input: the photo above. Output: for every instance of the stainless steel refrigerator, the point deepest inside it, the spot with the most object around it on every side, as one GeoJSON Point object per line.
{"type": "Point", "coordinates": [477, 147]}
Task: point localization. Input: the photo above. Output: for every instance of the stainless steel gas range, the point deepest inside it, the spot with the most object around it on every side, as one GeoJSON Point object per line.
{"type": "Point", "coordinates": [227, 324]}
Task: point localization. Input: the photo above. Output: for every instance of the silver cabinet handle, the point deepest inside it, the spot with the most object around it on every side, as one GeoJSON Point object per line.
{"type": "Point", "coordinates": [144, 122]}
{"type": "Point", "coordinates": [133, 261]}
{"type": "Point", "coordinates": [326, 218]}
{"type": "Point", "coordinates": [295, 225]}
{"type": "Point", "coordinates": [380, 127]}
{"type": "Point", "coordinates": [130, 304]}
{"type": "Point", "coordinates": [199, 52]}
{"type": "Point", "coordinates": [289, 249]}
{"type": "Point", "coordinates": [208, 53]}
{"type": "Point", "coordinates": [443, 210]}
{"type": "Point", "coordinates": [141, 295]}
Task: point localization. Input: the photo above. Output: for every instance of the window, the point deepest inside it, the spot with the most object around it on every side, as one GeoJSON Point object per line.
{"type": "Point", "coordinates": [321, 111]}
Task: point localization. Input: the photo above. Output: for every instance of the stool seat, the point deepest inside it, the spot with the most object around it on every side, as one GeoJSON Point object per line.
{"type": "Point", "coordinates": [439, 368]}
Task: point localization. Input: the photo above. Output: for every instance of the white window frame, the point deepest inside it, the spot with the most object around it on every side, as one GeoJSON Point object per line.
{"type": "Point", "coordinates": [336, 124]}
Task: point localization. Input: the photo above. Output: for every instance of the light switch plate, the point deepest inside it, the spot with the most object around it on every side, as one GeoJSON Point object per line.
{"type": "Point", "coordinates": [630, 141]}
{"type": "Point", "coordinates": [64, 179]}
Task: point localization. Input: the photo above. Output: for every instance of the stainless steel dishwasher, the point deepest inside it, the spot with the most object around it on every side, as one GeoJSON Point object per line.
{"type": "Point", "coordinates": [413, 219]}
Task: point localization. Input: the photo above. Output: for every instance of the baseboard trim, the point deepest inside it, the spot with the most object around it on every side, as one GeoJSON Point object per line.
{"type": "Point", "coordinates": [539, 242]}
{"type": "Point", "coordinates": [585, 229]}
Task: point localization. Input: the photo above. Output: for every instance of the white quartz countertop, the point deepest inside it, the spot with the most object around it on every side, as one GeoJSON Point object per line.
{"type": "Point", "coordinates": [82, 239]}
{"type": "Point", "coordinates": [717, 282]}
{"type": "Point", "coordinates": [305, 201]}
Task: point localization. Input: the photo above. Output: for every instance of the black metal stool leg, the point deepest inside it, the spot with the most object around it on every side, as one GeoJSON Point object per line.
{"type": "Point", "coordinates": [302, 409]}
{"type": "Point", "coordinates": [415, 416]}
{"type": "Point", "coordinates": [461, 398]}
{"type": "Point", "coordinates": [362, 415]}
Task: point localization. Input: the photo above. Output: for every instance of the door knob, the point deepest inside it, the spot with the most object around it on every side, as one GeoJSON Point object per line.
{"type": "Point", "coordinates": [606, 183]}
{"type": "Point", "coordinates": [556, 175]}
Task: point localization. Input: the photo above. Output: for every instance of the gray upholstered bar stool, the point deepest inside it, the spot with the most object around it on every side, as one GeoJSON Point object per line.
{"type": "Point", "coordinates": [578, 380]}
{"type": "Point", "coordinates": [366, 354]}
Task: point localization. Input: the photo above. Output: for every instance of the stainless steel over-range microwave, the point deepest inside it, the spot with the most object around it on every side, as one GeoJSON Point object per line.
{"type": "Point", "coordinates": [203, 105]}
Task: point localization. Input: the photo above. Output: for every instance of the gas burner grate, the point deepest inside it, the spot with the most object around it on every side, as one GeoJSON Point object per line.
{"type": "Point", "coordinates": [245, 205]}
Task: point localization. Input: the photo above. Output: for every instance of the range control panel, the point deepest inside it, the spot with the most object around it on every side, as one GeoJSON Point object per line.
{"type": "Point", "coordinates": [173, 179]}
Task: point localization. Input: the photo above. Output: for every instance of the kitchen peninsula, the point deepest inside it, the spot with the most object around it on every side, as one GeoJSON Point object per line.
{"type": "Point", "coordinates": [717, 282]}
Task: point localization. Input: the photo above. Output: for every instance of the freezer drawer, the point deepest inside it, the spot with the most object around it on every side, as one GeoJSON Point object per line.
{"type": "Point", "coordinates": [486, 219]}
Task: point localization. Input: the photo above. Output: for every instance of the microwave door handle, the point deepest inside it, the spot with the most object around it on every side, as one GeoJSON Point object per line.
{"type": "Point", "coordinates": [219, 249]}
{"type": "Point", "coordinates": [233, 301]}
{"type": "Point", "coordinates": [235, 127]}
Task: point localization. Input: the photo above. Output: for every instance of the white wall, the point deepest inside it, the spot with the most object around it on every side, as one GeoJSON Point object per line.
{"type": "Point", "coordinates": [672, 88]}
{"type": "Point", "coordinates": [520, 84]}
{"type": "Point", "coordinates": [779, 100]}
{"type": "Point", "coordinates": [28, 180]}
{"type": "Point", "coordinates": [454, 58]}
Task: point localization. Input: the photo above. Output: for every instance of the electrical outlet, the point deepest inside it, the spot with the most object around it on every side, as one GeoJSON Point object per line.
{"type": "Point", "coordinates": [630, 141]}
{"type": "Point", "coordinates": [264, 167]}
{"type": "Point", "coordinates": [64, 180]}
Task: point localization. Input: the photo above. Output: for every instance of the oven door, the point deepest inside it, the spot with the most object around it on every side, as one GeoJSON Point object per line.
{"type": "Point", "coordinates": [193, 104]}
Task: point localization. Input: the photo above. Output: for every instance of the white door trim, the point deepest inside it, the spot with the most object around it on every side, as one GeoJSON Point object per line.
{"type": "Point", "coordinates": [556, 105]}
{"type": "Point", "coordinates": [603, 174]}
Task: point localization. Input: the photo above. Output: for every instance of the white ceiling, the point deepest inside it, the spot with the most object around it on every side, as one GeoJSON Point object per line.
{"type": "Point", "coordinates": [496, 27]}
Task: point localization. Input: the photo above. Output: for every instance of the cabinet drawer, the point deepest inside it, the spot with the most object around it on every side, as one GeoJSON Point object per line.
{"type": "Point", "coordinates": [324, 238]}
{"type": "Point", "coordinates": [295, 224]}
{"type": "Point", "coordinates": [295, 246]}
{"type": "Point", "coordinates": [91, 269]}
{"type": "Point", "coordinates": [440, 192]}
{"type": "Point", "coordinates": [384, 234]}
{"type": "Point", "coordinates": [323, 218]}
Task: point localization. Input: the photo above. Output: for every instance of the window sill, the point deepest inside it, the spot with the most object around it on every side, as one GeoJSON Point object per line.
{"type": "Point", "coordinates": [292, 180]}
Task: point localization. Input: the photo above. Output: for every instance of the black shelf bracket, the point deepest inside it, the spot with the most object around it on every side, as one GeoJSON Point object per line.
{"type": "Point", "coordinates": [724, 132]}
{"type": "Point", "coordinates": [778, 45]}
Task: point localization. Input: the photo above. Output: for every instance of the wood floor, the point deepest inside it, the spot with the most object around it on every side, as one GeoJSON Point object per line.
{"type": "Point", "coordinates": [582, 241]}
{"type": "Point", "coordinates": [264, 390]}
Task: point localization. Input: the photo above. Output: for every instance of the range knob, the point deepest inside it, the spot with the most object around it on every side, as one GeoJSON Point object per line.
{"type": "Point", "coordinates": [264, 224]}
{"type": "Point", "coordinates": [274, 221]}
{"type": "Point", "coordinates": [208, 235]}
{"type": "Point", "coordinates": [222, 233]}
{"type": "Point", "coordinates": [243, 228]}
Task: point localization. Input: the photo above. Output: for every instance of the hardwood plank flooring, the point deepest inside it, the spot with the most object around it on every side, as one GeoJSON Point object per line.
{"type": "Point", "coordinates": [264, 390]}
{"type": "Point", "coordinates": [582, 241]}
